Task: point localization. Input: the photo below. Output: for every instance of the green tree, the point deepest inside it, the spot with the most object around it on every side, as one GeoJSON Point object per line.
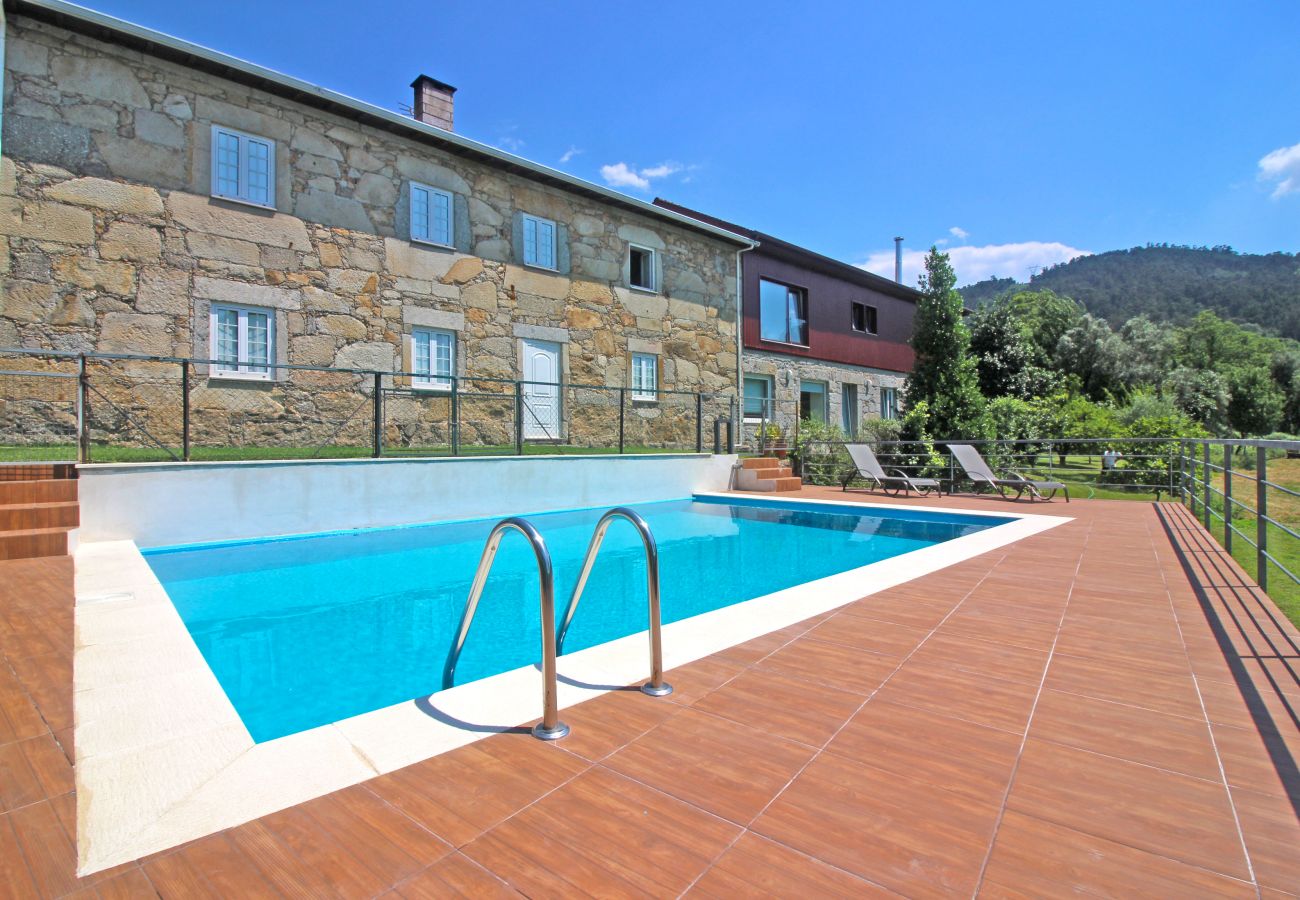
{"type": "Point", "coordinates": [944, 376]}
{"type": "Point", "coordinates": [1045, 317]}
{"type": "Point", "coordinates": [1007, 360]}
{"type": "Point", "coordinates": [1096, 354]}
{"type": "Point", "coordinates": [1257, 405]}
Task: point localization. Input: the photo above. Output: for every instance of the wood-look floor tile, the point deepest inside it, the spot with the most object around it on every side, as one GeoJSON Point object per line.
{"type": "Point", "coordinates": [461, 794]}
{"type": "Point", "coordinates": [1162, 812]}
{"type": "Point", "coordinates": [961, 756]}
{"type": "Point", "coordinates": [317, 848]}
{"type": "Point", "coordinates": [856, 671]}
{"type": "Point", "coordinates": [226, 869]}
{"type": "Point", "coordinates": [793, 708]}
{"type": "Point", "coordinates": [1258, 763]}
{"type": "Point", "coordinates": [876, 635]}
{"type": "Point", "coordinates": [1110, 680]}
{"type": "Point", "coordinates": [47, 848]}
{"type": "Point", "coordinates": [455, 876]}
{"type": "Point", "coordinates": [1271, 827]}
{"type": "Point", "coordinates": [609, 722]}
{"type": "Point", "coordinates": [174, 875]}
{"type": "Point", "coordinates": [693, 757]}
{"type": "Point", "coordinates": [999, 629]}
{"type": "Point", "coordinates": [1156, 739]}
{"type": "Point", "coordinates": [700, 678]}
{"type": "Point", "coordinates": [279, 866]}
{"type": "Point", "coordinates": [962, 695]}
{"type": "Point", "coordinates": [883, 828]}
{"type": "Point", "coordinates": [603, 834]}
{"type": "Point", "coordinates": [757, 867]}
{"type": "Point", "coordinates": [1004, 661]}
{"type": "Point", "coordinates": [917, 612]}
{"type": "Point", "coordinates": [390, 843]}
{"type": "Point", "coordinates": [15, 877]}
{"type": "Point", "coordinates": [1035, 858]}
{"type": "Point", "coordinates": [133, 884]}
{"type": "Point", "coordinates": [31, 770]}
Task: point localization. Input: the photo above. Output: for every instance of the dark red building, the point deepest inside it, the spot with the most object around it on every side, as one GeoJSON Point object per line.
{"type": "Point", "coordinates": [821, 338]}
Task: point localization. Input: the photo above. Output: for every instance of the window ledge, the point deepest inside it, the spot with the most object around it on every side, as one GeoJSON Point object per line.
{"type": "Point", "coordinates": [763, 340]}
{"type": "Point", "coordinates": [240, 376]}
{"type": "Point", "coordinates": [554, 270]}
{"type": "Point", "coordinates": [431, 388]}
{"type": "Point", "coordinates": [434, 244]}
{"type": "Point", "coordinates": [642, 290]}
{"type": "Point", "coordinates": [242, 202]}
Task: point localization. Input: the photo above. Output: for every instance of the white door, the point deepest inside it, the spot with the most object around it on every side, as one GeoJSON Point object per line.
{"type": "Point", "coordinates": [542, 391]}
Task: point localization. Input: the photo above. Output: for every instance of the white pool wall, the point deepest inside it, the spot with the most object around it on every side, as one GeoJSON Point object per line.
{"type": "Point", "coordinates": [156, 504]}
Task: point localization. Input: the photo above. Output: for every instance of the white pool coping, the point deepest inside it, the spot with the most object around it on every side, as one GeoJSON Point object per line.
{"type": "Point", "coordinates": [162, 757]}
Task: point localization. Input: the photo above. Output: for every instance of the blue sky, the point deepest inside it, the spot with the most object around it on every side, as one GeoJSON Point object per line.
{"type": "Point", "coordinates": [1018, 133]}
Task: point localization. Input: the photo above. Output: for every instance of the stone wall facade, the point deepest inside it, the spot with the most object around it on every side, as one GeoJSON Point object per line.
{"type": "Point", "coordinates": [788, 372]}
{"type": "Point", "coordinates": [111, 242]}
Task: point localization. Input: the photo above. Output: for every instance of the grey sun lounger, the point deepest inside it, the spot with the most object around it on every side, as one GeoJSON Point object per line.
{"type": "Point", "coordinates": [866, 466]}
{"type": "Point", "coordinates": [978, 471]}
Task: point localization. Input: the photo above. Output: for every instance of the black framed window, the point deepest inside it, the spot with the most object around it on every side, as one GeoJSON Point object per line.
{"type": "Point", "coordinates": [782, 312]}
{"type": "Point", "coordinates": [864, 318]}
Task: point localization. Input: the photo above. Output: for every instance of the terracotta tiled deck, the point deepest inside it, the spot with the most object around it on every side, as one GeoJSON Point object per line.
{"type": "Point", "coordinates": [1108, 707]}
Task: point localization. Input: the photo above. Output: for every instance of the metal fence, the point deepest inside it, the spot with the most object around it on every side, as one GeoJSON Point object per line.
{"type": "Point", "coordinates": [1224, 483]}
{"type": "Point", "coordinates": [99, 407]}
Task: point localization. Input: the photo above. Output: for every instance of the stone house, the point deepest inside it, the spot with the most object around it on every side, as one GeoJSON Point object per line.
{"type": "Point", "coordinates": [822, 339]}
{"type": "Point", "coordinates": [160, 198]}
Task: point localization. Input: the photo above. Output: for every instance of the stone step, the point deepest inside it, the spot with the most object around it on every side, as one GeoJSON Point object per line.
{"type": "Point", "coordinates": [34, 542]}
{"type": "Point", "coordinates": [24, 516]}
{"type": "Point", "coordinates": [48, 490]}
{"type": "Point", "coordinates": [760, 462]}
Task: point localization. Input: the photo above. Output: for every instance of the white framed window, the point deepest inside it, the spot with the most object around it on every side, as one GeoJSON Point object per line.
{"type": "Point", "coordinates": [432, 215]}
{"type": "Point", "coordinates": [645, 376]}
{"type": "Point", "coordinates": [242, 341]}
{"type": "Point", "coordinates": [433, 358]}
{"type": "Point", "coordinates": [243, 167]}
{"type": "Point", "coordinates": [888, 403]}
{"type": "Point", "coordinates": [641, 268]}
{"type": "Point", "coordinates": [539, 242]}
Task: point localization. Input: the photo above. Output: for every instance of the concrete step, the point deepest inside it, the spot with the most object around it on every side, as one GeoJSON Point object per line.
{"type": "Point", "coordinates": [34, 542]}
{"type": "Point", "coordinates": [23, 516]}
{"type": "Point", "coordinates": [47, 490]}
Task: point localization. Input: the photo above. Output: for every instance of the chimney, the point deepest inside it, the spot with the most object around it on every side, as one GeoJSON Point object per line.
{"type": "Point", "coordinates": [433, 102]}
{"type": "Point", "coordinates": [898, 260]}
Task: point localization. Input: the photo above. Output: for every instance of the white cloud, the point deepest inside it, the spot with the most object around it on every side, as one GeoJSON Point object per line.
{"type": "Point", "coordinates": [623, 175]}
{"type": "Point", "coordinates": [1282, 166]}
{"type": "Point", "coordinates": [661, 170]}
{"type": "Point", "coordinates": [959, 233]}
{"type": "Point", "coordinates": [511, 143]}
{"type": "Point", "coordinates": [569, 154]}
{"type": "Point", "coordinates": [973, 264]}
{"type": "Point", "coordinates": [620, 175]}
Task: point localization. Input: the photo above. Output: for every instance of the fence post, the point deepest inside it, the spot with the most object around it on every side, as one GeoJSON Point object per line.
{"type": "Point", "coordinates": [519, 418]}
{"type": "Point", "coordinates": [1261, 518]}
{"type": "Point", "coordinates": [699, 422]}
{"type": "Point", "coordinates": [83, 412]}
{"type": "Point", "coordinates": [455, 415]}
{"type": "Point", "coordinates": [1205, 485]}
{"type": "Point", "coordinates": [1227, 498]}
{"type": "Point", "coordinates": [377, 443]}
{"type": "Point", "coordinates": [185, 410]}
{"type": "Point", "coordinates": [622, 415]}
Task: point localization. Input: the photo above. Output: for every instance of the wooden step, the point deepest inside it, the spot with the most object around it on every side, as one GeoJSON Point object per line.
{"type": "Point", "coordinates": [36, 471]}
{"type": "Point", "coordinates": [34, 542]}
{"type": "Point", "coordinates": [49, 490]}
{"type": "Point", "coordinates": [761, 462]}
{"type": "Point", "coordinates": [25, 516]}
{"type": "Point", "coordinates": [773, 472]}
{"type": "Point", "coordinates": [790, 483]}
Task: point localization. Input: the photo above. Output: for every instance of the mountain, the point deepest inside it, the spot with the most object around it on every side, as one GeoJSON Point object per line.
{"type": "Point", "coordinates": [1171, 283]}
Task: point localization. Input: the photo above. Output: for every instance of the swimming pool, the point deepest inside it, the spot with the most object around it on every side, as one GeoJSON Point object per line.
{"type": "Point", "coordinates": [305, 631]}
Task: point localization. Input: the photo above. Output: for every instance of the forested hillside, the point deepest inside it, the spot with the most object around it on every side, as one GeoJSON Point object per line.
{"type": "Point", "coordinates": [1169, 283]}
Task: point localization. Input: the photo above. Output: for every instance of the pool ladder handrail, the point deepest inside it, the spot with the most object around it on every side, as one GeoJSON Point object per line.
{"type": "Point", "coordinates": [550, 728]}
{"type": "Point", "coordinates": [656, 686]}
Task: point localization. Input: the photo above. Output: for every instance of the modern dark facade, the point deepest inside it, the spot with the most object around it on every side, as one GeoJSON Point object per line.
{"type": "Point", "coordinates": [821, 338]}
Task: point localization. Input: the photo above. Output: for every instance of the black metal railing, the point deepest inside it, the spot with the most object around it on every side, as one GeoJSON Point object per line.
{"type": "Point", "coordinates": [118, 407]}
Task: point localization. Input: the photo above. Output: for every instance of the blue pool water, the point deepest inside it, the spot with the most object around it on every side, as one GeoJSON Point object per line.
{"type": "Point", "coordinates": [308, 630]}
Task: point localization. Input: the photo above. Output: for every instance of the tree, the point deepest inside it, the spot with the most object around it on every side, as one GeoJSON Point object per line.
{"type": "Point", "coordinates": [944, 376]}
{"type": "Point", "coordinates": [1148, 349]}
{"type": "Point", "coordinates": [1094, 353]}
{"type": "Point", "coordinates": [1256, 406]}
{"type": "Point", "coordinates": [1045, 316]}
{"type": "Point", "coordinates": [1203, 395]}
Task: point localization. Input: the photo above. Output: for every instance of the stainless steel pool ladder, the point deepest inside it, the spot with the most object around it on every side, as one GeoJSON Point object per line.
{"type": "Point", "coordinates": [550, 728]}
{"type": "Point", "coordinates": [656, 686]}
